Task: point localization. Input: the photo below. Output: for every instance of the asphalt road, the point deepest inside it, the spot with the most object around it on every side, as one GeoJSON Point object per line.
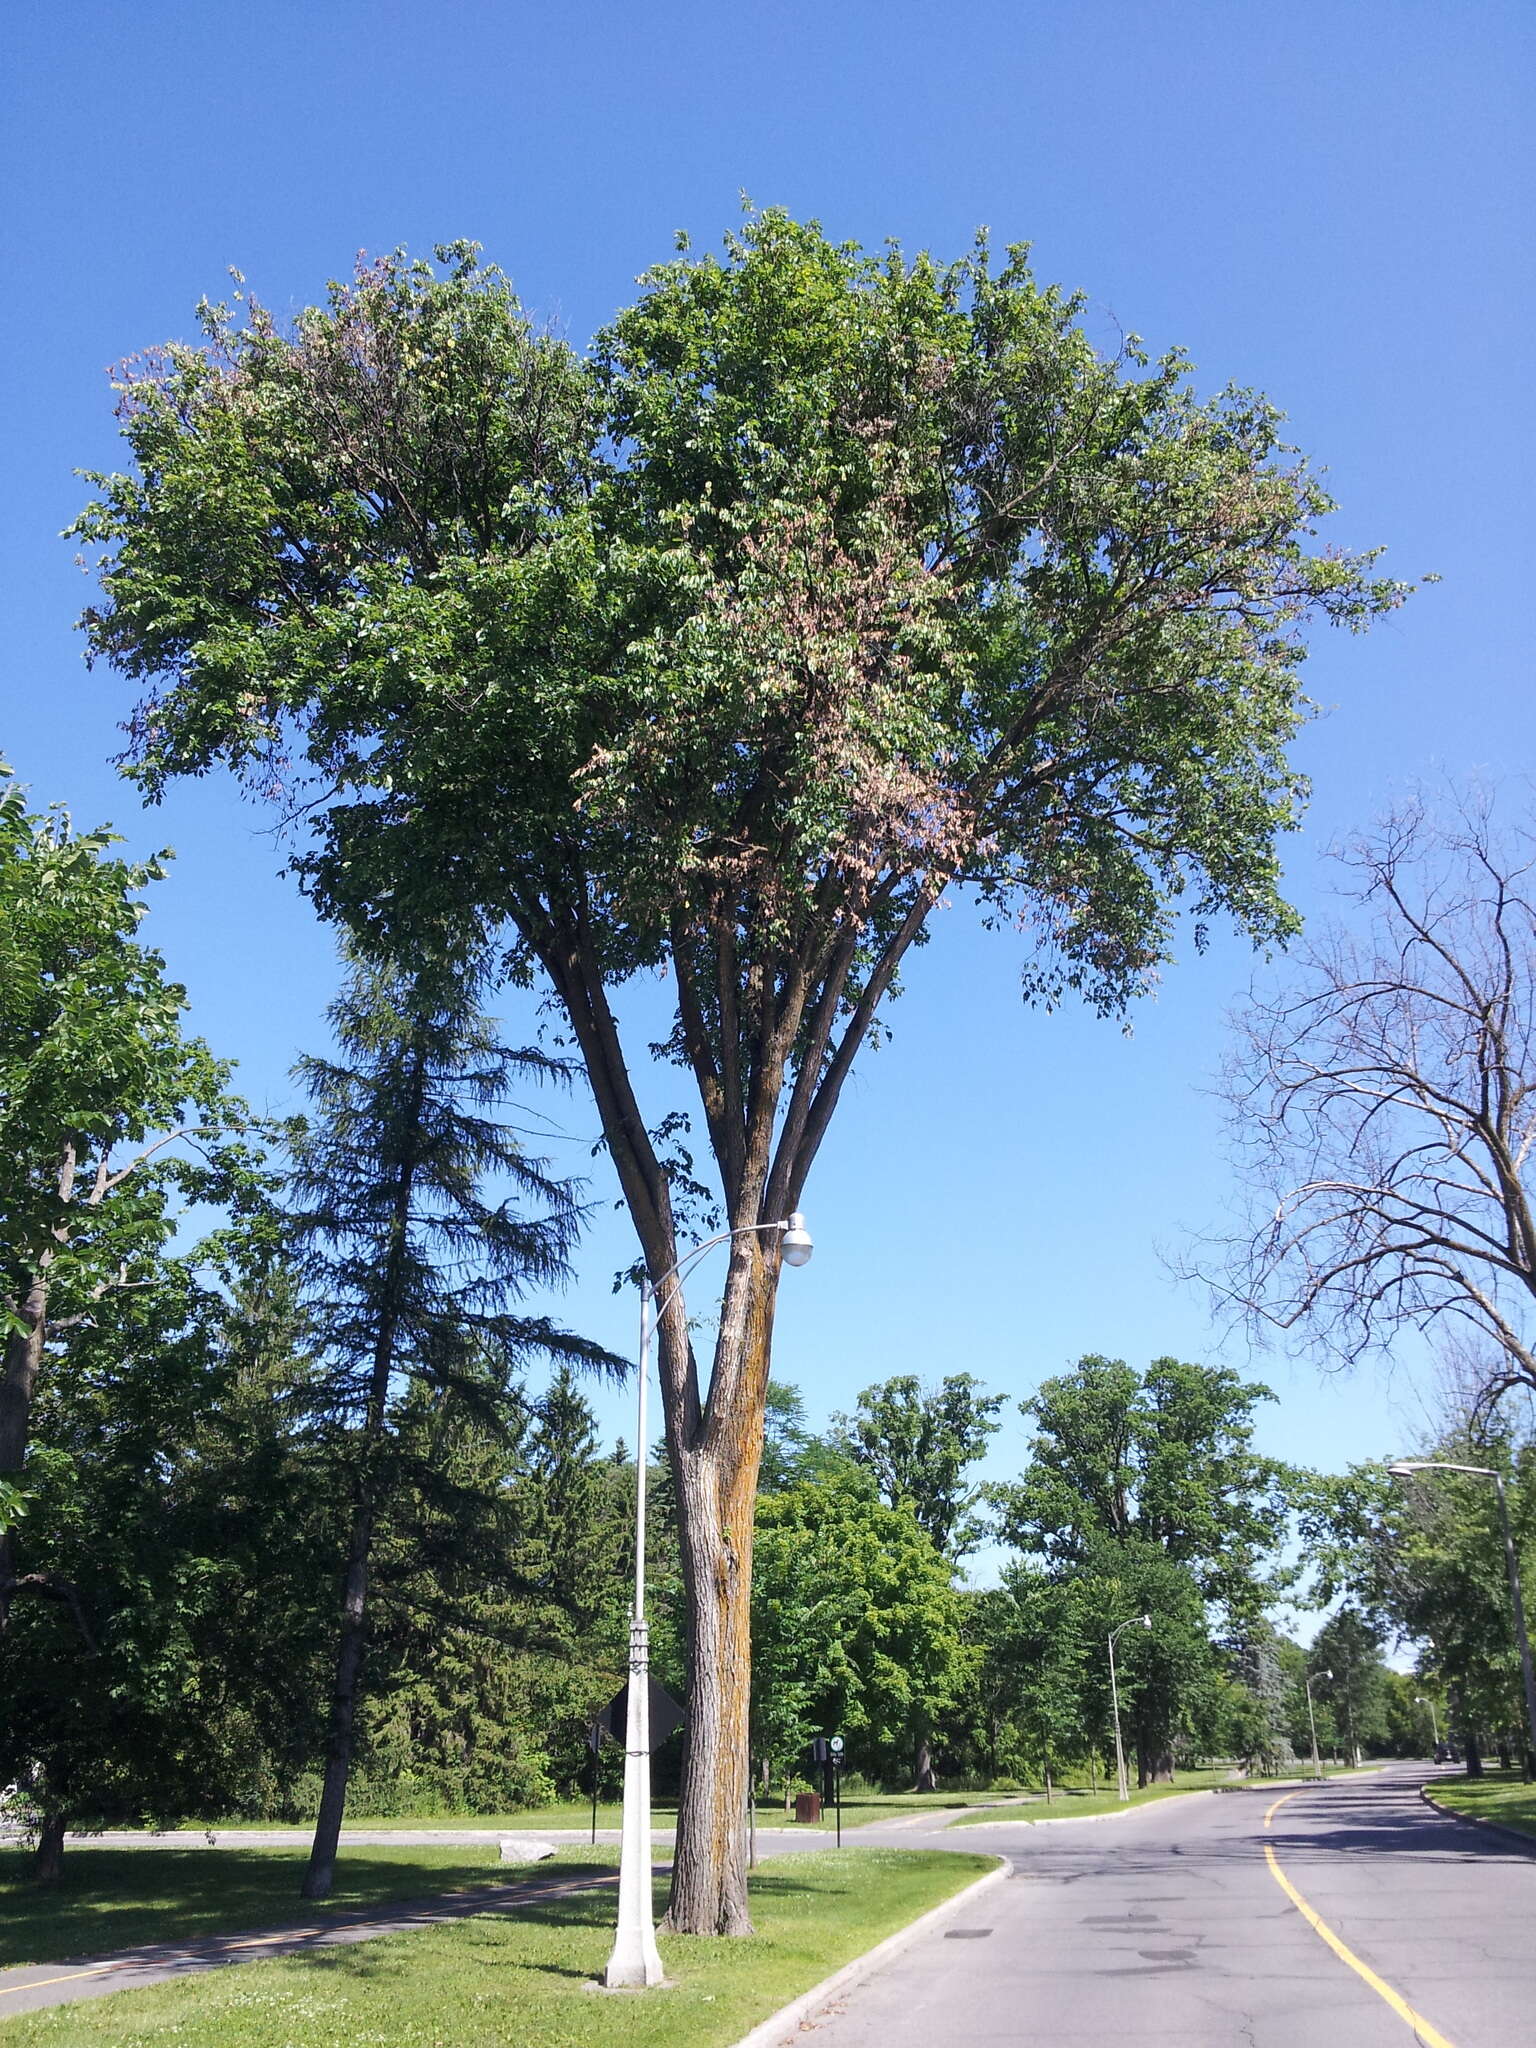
{"type": "Point", "coordinates": [1168, 1927]}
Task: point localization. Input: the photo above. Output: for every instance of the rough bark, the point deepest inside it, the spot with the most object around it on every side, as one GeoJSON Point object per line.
{"type": "Point", "coordinates": [924, 1778]}
{"type": "Point", "coordinates": [48, 1863]}
{"type": "Point", "coordinates": [717, 1499]}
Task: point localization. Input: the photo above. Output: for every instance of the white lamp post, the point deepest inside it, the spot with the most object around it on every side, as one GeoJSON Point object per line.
{"type": "Point", "coordinates": [1434, 1720]}
{"type": "Point", "coordinates": [635, 1960]}
{"type": "Point", "coordinates": [1404, 1468]}
{"type": "Point", "coordinates": [1317, 1762]}
{"type": "Point", "coordinates": [1122, 1783]}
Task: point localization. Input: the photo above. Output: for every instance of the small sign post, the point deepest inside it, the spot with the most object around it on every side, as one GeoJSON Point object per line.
{"type": "Point", "coordinates": [827, 1750]}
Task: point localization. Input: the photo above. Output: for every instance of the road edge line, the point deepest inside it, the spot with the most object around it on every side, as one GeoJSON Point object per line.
{"type": "Point", "coordinates": [770, 2032]}
{"type": "Point", "coordinates": [1518, 1836]}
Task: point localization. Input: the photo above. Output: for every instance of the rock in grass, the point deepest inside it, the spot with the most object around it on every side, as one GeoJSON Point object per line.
{"type": "Point", "coordinates": [525, 1849]}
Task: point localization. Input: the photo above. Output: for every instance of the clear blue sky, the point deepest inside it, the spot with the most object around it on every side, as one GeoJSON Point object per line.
{"type": "Point", "coordinates": [1329, 201]}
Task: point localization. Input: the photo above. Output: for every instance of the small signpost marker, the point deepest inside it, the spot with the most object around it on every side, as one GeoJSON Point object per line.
{"type": "Point", "coordinates": [835, 1750]}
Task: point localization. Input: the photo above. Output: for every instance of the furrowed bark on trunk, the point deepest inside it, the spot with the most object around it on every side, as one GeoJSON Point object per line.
{"type": "Point", "coordinates": [48, 1863]}
{"type": "Point", "coordinates": [717, 1501]}
{"type": "Point", "coordinates": [341, 1733]}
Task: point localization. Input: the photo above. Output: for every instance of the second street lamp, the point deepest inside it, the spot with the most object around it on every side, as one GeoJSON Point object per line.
{"type": "Point", "coordinates": [1121, 1781]}
{"type": "Point", "coordinates": [635, 1960]}
{"type": "Point", "coordinates": [1434, 1723]}
{"type": "Point", "coordinates": [1405, 1468]}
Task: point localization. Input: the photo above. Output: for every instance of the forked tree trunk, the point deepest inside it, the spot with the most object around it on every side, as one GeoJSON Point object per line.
{"type": "Point", "coordinates": [716, 1505]}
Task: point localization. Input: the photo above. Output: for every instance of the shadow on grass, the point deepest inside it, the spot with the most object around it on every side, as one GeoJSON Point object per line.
{"type": "Point", "coordinates": [109, 1899]}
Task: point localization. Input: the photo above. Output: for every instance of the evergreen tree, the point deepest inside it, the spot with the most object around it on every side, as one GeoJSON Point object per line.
{"type": "Point", "coordinates": [413, 1267]}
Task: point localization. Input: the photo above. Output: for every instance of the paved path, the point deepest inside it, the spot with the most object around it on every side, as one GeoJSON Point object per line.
{"type": "Point", "coordinates": [32, 1985]}
{"type": "Point", "coordinates": [1169, 1928]}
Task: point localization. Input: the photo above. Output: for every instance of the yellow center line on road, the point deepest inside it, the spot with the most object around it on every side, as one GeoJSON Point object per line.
{"type": "Point", "coordinates": [125, 1963]}
{"type": "Point", "coordinates": [1430, 2036]}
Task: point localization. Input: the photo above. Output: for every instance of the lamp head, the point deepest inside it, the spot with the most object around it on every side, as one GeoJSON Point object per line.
{"type": "Point", "coordinates": [796, 1244]}
{"type": "Point", "coordinates": [1404, 1468]}
{"type": "Point", "coordinates": [1327, 1674]}
{"type": "Point", "coordinates": [1146, 1621]}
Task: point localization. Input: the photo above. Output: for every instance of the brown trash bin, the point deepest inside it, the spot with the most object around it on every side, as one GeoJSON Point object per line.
{"type": "Point", "coordinates": [807, 1806]}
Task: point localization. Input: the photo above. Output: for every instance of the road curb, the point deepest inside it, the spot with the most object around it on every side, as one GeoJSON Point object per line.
{"type": "Point", "coordinates": [1474, 1820]}
{"type": "Point", "coordinates": [780, 2026]}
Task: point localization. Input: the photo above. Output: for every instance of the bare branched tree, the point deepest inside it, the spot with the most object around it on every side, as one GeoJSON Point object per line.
{"type": "Point", "coordinates": [1384, 1105]}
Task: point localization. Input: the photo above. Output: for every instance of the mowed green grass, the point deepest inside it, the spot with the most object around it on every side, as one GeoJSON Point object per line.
{"type": "Point", "coordinates": [1501, 1796]}
{"type": "Point", "coordinates": [1079, 1802]}
{"type": "Point", "coordinates": [527, 1980]}
{"type": "Point", "coordinates": [116, 1898]}
{"type": "Point", "coordinates": [867, 1806]}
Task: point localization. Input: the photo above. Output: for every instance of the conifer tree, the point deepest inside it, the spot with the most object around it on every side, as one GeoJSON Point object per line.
{"type": "Point", "coordinates": [414, 1263]}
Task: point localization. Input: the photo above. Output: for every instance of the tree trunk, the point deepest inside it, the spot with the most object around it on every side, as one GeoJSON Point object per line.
{"type": "Point", "coordinates": [716, 1503]}
{"type": "Point", "coordinates": [924, 1779]}
{"type": "Point", "coordinates": [23, 1356]}
{"type": "Point", "coordinates": [1473, 1755]}
{"type": "Point", "coordinates": [48, 1863]}
{"type": "Point", "coordinates": [341, 1734]}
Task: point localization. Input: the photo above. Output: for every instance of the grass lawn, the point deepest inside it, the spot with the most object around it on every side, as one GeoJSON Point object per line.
{"type": "Point", "coordinates": [1503, 1796]}
{"type": "Point", "coordinates": [568, 1814]}
{"type": "Point", "coordinates": [1067, 1803]}
{"type": "Point", "coordinates": [867, 1806]}
{"type": "Point", "coordinates": [870, 1806]}
{"type": "Point", "coordinates": [115, 1898]}
{"type": "Point", "coordinates": [526, 1981]}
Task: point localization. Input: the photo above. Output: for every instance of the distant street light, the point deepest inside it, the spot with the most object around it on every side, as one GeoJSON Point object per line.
{"type": "Point", "coordinates": [1121, 1781]}
{"type": "Point", "coordinates": [1317, 1762]}
{"type": "Point", "coordinates": [1434, 1724]}
{"type": "Point", "coordinates": [635, 1959]}
{"type": "Point", "coordinates": [1405, 1468]}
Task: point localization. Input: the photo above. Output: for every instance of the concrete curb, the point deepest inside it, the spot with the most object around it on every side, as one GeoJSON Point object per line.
{"type": "Point", "coordinates": [782, 2025]}
{"type": "Point", "coordinates": [1475, 1820]}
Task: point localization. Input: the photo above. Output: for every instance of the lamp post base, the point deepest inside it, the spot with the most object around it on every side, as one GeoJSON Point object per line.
{"type": "Point", "coordinates": [635, 1963]}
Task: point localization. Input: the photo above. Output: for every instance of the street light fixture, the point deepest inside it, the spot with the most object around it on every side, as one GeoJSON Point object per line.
{"type": "Point", "coordinates": [1434, 1722]}
{"type": "Point", "coordinates": [1122, 1783]}
{"type": "Point", "coordinates": [635, 1959]}
{"type": "Point", "coordinates": [1317, 1762]}
{"type": "Point", "coordinates": [1405, 1468]}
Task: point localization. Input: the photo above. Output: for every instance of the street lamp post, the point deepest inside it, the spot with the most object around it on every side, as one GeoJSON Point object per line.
{"type": "Point", "coordinates": [1317, 1762]}
{"type": "Point", "coordinates": [1404, 1468]}
{"type": "Point", "coordinates": [1122, 1783]}
{"type": "Point", "coordinates": [1434, 1720]}
{"type": "Point", "coordinates": [635, 1960]}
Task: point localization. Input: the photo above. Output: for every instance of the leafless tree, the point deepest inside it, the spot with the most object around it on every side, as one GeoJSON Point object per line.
{"type": "Point", "coordinates": [1384, 1104]}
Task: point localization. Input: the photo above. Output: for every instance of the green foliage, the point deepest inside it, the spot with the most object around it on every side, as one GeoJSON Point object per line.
{"type": "Point", "coordinates": [856, 1628]}
{"type": "Point", "coordinates": [919, 1445]}
{"type": "Point", "coordinates": [1164, 1459]}
{"type": "Point", "coordinates": [830, 579]}
{"type": "Point", "coordinates": [1143, 1495]}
